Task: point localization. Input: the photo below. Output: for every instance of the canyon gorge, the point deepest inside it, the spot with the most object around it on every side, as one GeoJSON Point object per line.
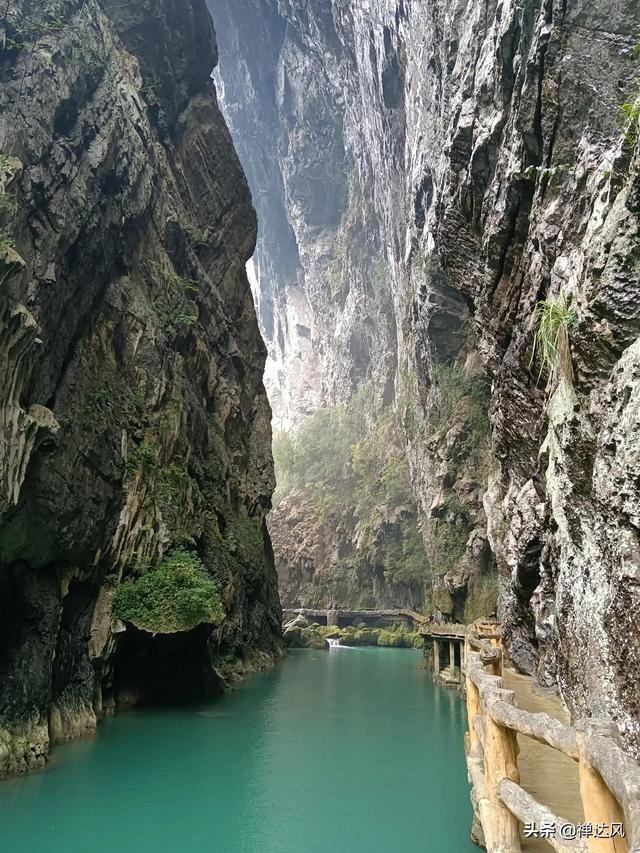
{"type": "Point", "coordinates": [395, 241]}
{"type": "Point", "coordinates": [440, 186]}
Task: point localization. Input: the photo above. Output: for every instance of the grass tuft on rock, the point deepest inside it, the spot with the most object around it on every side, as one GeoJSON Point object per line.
{"type": "Point", "coordinates": [175, 596]}
{"type": "Point", "coordinates": [551, 346]}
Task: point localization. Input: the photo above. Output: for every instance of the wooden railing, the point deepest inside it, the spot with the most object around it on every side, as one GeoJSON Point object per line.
{"type": "Point", "coordinates": [609, 778]}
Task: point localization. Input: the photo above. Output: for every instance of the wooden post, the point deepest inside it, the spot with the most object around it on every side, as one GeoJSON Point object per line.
{"type": "Point", "coordinates": [599, 804]}
{"type": "Point", "coordinates": [436, 657]}
{"type": "Point", "coordinates": [500, 762]}
{"type": "Point", "coordinates": [473, 708]}
{"type": "Point", "coordinates": [496, 666]}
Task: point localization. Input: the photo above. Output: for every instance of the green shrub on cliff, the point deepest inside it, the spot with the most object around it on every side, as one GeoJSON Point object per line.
{"type": "Point", "coordinates": [6, 242]}
{"type": "Point", "coordinates": [460, 397]}
{"type": "Point", "coordinates": [195, 236]}
{"type": "Point", "coordinates": [482, 600]}
{"type": "Point", "coordinates": [631, 112]}
{"type": "Point", "coordinates": [142, 459]}
{"type": "Point", "coordinates": [175, 596]}
{"type": "Point", "coordinates": [404, 558]}
{"type": "Point", "coordinates": [352, 461]}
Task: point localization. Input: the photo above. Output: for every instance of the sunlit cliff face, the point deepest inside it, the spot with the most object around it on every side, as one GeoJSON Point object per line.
{"type": "Point", "coordinates": [423, 178]}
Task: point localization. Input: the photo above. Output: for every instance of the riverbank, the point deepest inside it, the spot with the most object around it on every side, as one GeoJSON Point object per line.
{"type": "Point", "coordinates": [302, 634]}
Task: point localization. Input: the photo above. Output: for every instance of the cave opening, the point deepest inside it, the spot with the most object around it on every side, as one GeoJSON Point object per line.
{"type": "Point", "coordinates": [163, 669]}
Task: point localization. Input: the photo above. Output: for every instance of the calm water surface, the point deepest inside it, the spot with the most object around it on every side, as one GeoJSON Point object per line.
{"type": "Point", "coordinates": [347, 751]}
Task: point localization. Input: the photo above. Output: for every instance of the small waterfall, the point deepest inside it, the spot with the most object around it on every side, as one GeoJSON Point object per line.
{"type": "Point", "coordinates": [333, 643]}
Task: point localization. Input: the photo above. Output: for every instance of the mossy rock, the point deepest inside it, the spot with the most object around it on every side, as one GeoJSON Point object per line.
{"type": "Point", "coordinates": [442, 600]}
{"type": "Point", "coordinates": [311, 638]}
{"type": "Point", "coordinates": [359, 636]}
{"type": "Point", "coordinates": [292, 638]}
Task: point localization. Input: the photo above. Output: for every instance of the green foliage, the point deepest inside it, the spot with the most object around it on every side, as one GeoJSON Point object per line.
{"type": "Point", "coordinates": [352, 460]}
{"type": "Point", "coordinates": [8, 201]}
{"type": "Point", "coordinates": [186, 285]}
{"type": "Point", "coordinates": [176, 492]}
{"type": "Point", "coordinates": [184, 319]}
{"type": "Point", "coordinates": [463, 398]}
{"type": "Point", "coordinates": [318, 457]}
{"type": "Point", "coordinates": [636, 47]}
{"type": "Point", "coordinates": [97, 409]}
{"type": "Point", "coordinates": [631, 112]}
{"type": "Point", "coordinates": [244, 542]}
{"type": "Point", "coordinates": [404, 559]}
{"type": "Point", "coordinates": [142, 460]}
{"type": "Point", "coordinates": [8, 205]}
{"type": "Point", "coordinates": [396, 637]}
{"type": "Point", "coordinates": [336, 267]}
{"type": "Point", "coordinates": [173, 299]}
{"type": "Point", "coordinates": [138, 404]}
{"type": "Point", "coordinates": [6, 242]}
{"type": "Point", "coordinates": [284, 458]}
{"type": "Point", "coordinates": [195, 236]}
{"type": "Point", "coordinates": [175, 596]}
{"type": "Point", "coordinates": [552, 322]}
{"type": "Point", "coordinates": [449, 542]}
{"type": "Point", "coordinates": [47, 16]}
{"type": "Point", "coordinates": [432, 268]}
{"type": "Point", "coordinates": [482, 600]}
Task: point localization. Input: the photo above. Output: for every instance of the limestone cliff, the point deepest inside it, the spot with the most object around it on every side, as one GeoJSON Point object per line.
{"type": "Point", "coordinates": [443, 168]}
{"type": "Point", "coordinates": [135, 439]}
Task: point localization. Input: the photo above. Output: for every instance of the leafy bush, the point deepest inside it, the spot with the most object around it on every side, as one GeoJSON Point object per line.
{"type": "Point", "coordinates": [6, 242]}
{"type": "Point", "coordinates": [175, 596]}
{"type": "Point", "coordinates": [186, 285]}
{"type": "Point", "coordinates": [185, 319]}
{"type": "Point", "coordinates": [142, 459]}
{"type": "Point", "coordinates": [195, 236]}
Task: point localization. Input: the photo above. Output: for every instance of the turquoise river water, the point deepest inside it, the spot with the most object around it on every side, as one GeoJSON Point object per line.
{"type": "Point", "coordinates": [346, 751]}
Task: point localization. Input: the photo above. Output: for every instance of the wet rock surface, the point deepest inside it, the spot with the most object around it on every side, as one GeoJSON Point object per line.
{"type": "Point", "coordinates": [134, 417]}
{"type": "Point", "coordinates": [438, 171]}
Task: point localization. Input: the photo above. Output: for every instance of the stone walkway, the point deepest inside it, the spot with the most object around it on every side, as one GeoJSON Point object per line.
{"type": "Point", "coordinates": [548, 775]}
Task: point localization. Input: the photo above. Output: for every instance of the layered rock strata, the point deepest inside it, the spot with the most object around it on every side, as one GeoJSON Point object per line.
{"type": "Point", "coordinates": [134, 419]}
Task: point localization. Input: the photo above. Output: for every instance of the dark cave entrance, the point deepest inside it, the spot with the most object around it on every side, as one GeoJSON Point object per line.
{"type": "Point", "coordinates": [165, 669]}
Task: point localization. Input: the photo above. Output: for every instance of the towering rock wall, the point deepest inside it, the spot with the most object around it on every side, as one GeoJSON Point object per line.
{"type": "Point", "coordinates": [445, 167]}
{"type": "Point", "coordinates": [135, 440]}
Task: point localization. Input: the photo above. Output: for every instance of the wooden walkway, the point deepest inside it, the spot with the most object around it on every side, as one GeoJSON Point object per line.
{"type": "Point", "coordinates": [547, 774]}
{"type": "Point", "coordinates": [525, 759]}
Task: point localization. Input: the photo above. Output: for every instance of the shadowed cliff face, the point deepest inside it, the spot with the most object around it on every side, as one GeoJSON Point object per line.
{"type": "Point", "coordinates": [444, 167]}
{"type": "Point", "coordinates": [134, 418]}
